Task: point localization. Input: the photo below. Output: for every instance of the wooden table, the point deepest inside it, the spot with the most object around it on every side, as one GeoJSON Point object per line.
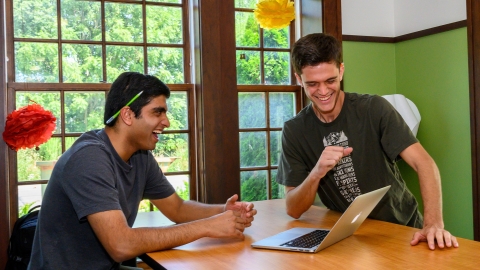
{"type": "Point", "coordinates": [375, 245]}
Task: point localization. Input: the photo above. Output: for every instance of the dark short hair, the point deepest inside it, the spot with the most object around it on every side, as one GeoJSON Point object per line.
{"type": "Point", "coordinates": [126, 86]}
{"type": "Point", "coordinates": [314, 49]}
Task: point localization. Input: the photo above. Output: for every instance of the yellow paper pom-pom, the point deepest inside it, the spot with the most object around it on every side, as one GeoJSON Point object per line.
{"type": "Point", "coordinates": [274, 14]}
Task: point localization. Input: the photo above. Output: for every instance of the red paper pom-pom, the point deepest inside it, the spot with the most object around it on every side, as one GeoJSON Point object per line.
{"type": "Point", "coordinates": [28, 127]}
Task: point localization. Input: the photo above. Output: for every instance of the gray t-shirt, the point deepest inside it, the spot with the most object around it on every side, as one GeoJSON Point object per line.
{"type": "Point", "coordinates": [90, 177]}
{"type": "Point", "coordinates": [376, 132]}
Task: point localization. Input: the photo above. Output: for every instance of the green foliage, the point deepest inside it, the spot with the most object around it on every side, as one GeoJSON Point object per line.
{"type": "Point", "coordinates": [251, 108]}
{"type": "Point", "coordinates": [166, 64]}
{"type": "Point", "coordinates": [254, 186]}
{"type": "Point", "coordinates": [247, 31]}
{"type": "Point", "coordinates": [245, 3]}
{"type": "Point", "coordinates": [81, 21]}
{"type": "Point", "coordinates": [253, 149]}
{"type": "Point", "coordinates": [183, 192]}
{"type": "Point", "coordinates": [164, 25]}
{"type": "Point", "coordinates": [123, 22]}
{"type": "Point", "coordinates": [37, 20]}
{"type": "Point", "coordinates": [252, 114]}
{"type": "Point", "coordinates": [276, 38]}
{"type": "Point", "coordinates": [84, 111]}
{"type": "Point", "coordinates": [144, 206]}
{"type": "Point", "coordinates": [36, 62]}
{"type": "Point", "coordinates": [276, 68]}
{"type": "Point", "coordinates": [175, 144]}
{"type": "Point", "coordinates": [82, 63]}
{"type": "Point", "coordinates": [23, 209]}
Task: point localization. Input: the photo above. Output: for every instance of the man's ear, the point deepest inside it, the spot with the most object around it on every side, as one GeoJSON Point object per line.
{"type": "Point", "coordinates": [299, 79]}
{"type": "Point", "coordinates": [126, 115]}
{"type": "Point", "coordinates": [342, 69]}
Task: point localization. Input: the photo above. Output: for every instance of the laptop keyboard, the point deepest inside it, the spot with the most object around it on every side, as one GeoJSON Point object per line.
{"type": "Point", "coordinates": [308, 240]}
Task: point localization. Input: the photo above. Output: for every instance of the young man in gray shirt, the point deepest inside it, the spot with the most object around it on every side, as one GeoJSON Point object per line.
{"type": "Point", "coordinates": [93, 195]}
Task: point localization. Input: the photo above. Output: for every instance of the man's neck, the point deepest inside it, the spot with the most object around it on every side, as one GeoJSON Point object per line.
{"type": "Point", "coordinates": [119, 143]}
{"type": "Point", "coordinates": [330, 116]}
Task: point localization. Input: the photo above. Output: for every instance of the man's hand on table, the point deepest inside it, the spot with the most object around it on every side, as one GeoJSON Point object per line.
{"type": "Point", "coordinates": [432, 234]}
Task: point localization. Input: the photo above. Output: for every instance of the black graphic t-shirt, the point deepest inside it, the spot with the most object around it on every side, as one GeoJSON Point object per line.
{"type": "Point", "coordinates": [376, 132]}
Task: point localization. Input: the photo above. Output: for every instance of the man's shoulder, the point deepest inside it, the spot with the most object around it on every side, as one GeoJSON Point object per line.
{"type": "Point", "coordinates": [88, 144]}
{"type": "Point", "coordinates": [301, 117]}
{"type": "Point", "coordinates": [90, 138]}
{"type": "Point", "coordinates": [365, 101]}
{"type": "Point", "coordinates": [357, 97]}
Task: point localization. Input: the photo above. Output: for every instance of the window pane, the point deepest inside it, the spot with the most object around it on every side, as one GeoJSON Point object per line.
{"type": "Point", "coordinates": [69, 141]}
{"type": "Point", "coordinates": [50, 101]}
{"type": "Point", "coordinates": [83, 111]}
{"type": "Point", "coordinates": [178, 110]}
{"type": "Point", "coordinates": [275, 147]}
{"type": "Point", "coordinates": [312, 21]}
{"type": "Point", "coordinates": [277, 68]}
{"type": "Point", "coordinates": [123, 22]}
{"type": "Point", "coordinates": [164, 25]}
{"type": "Point", "coordinates": [278, 190]}
{"type": "Point", "coordinates": [166, 64]}
{"type": "Point", "coordinates": [82, 63]}
{"type": "Point", "coordinates": [247, 31]}
{"type": "Point", "coordinates": [35, 164]}
{"type": "Point", "coordinates": [28, 197]}
{"type": "Point", "coordinates": [118, 62]}
{"type": "Point", "coordinates": [144, 206]}
{"type": "Point", "coordinates": [251, 110]}
{"type": "Point", "coordinates": [34, 19]}
{"type": "Point", "coordinates": [248, 67]}
{"type": "Point", "coordinates": [81, 20]}
{"type": "Point", "coordinates": [282, 108]}
{"type": "Point", "coordinates": [171, 152]}
{"type": "Point", "coordinates": [245, 3]}
{"type": "Point", "coordinates": [36, 62]}
{"type": "Point", "coordinates": [180, 184]}
{"type": "Point", "coordinates": [253, 186]}
{"type": "Point", "coordinates": [253, 149]}
{"type": "Point", "coordinates": [276, 38]}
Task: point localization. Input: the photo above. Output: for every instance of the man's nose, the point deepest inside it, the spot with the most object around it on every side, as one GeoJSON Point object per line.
{"type": "Point", "coordinates": [166, 122]}
{"type": "Point", "coordinates": [322, 89]}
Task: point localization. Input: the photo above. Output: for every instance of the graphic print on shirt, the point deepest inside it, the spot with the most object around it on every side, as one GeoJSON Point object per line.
{"type": "Point", "coordinates": [343, 172]}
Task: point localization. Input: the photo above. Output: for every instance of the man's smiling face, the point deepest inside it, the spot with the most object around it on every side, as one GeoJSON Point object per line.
{"type": "Point", "coordinates": [322, 86]}
{"type": "Point", "coordinates": [152, 121]}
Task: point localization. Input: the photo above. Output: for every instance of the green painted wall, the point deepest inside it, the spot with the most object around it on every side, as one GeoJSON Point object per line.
{"type": "Point", "coordinates": [431, 71]}
{"type": "Point", "coordinates": [369, 68]}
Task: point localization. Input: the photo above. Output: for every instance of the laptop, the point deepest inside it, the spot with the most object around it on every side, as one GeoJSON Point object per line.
{"type": "Point", "coordinates": [313, 239]}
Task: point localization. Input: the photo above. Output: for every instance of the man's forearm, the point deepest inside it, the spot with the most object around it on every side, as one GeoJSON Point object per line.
{"type": "Point", "coordinates": [300, 198]}
{"type": "Point", "coordinates": [429, 180]}
{"type": "Point", "coordinates": [137, 241]}
{"type": "Point", "coordinates": [193, 210]}
{"type": "Point", "coordinates": [430, 187]}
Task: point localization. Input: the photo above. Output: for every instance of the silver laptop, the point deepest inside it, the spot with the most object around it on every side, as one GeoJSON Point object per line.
{"type": "Point", "coordinates": [314, 239]}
